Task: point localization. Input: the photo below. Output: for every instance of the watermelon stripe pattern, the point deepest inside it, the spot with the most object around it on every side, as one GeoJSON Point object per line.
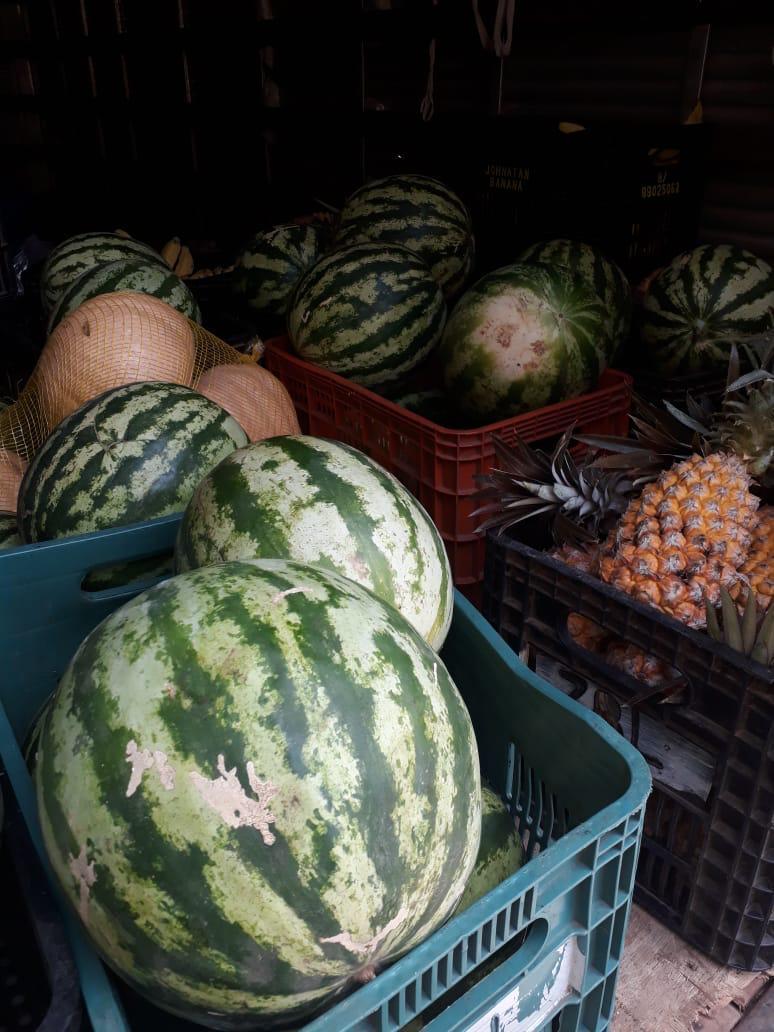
{"type": "Point", "coordinates": [75, 255]}
{"type": "Point", "coordinates": [256, 785]}
{"type": "Point", "coordinates": [325, 503]}
{"type": "Point", "coordinates": [703, 301]}
{"type": "Point", "coordinates": [524, 336]}
{"type": "Point", "coordinates": [368, 312]}
{"type": "Point", "coordinates": [135, 453]}
{"type": "Point", "coordinates": [603, 276]}
{"type": "Point", "coordinates": [415, 212]}
{"type": "Point", "coordinates": [500, 854]}
{"type": "Point", "coordinates": [139, 275]}
{"type": "Point", "coordinates": [9, 531]}
{"type": "Point", "coordinates": [269, 268]}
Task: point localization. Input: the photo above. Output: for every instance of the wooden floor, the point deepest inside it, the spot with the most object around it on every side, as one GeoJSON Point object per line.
{"type": "Point", "coordinates": [666, 986]}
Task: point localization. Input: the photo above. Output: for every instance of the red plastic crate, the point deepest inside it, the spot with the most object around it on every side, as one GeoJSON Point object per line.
{"type": "Point", "coordinates": [437, 465]}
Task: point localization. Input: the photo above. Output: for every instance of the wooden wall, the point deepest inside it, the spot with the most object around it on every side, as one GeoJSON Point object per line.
{"type": "Point", "coordinates": [210, 119]}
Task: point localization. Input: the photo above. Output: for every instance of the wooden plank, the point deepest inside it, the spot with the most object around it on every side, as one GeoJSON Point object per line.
{"type": "Point", "coordinates": [667, 986]}
{"type": "Point", "coordinates": [673, 760]}
{"type": "Point", "coordinates": [760, 1017]}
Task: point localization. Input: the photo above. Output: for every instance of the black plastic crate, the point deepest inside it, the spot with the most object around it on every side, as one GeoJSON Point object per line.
{"type": "Point", "coordinates": [39, 987]}
{"type": "Point", "coordinates": [706, 868]}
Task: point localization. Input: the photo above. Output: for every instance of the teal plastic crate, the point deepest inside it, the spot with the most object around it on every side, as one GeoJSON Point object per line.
{"type": "Point", "coordinates": [576, 789]}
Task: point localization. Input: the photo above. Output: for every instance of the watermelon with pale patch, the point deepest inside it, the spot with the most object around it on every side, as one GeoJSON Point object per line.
{"type": "Point", "coordinates": [524, 336]}
{"type": "Point", "coordinates": [134, 274]}
{"type": "Point", "coordinates": [370, 312]}
{"type": "Point", "coordinates": [9, 531]}
{"type": "Point", "coordinates": [75, 255]}
{"type": "Point", "coordinates": [134, 453]}
{"type": "Point", "coordinates": [602, 276]}
{"type": "Point", "coordinates": [417, 212]}
{"type": "Point", "coordinates": [322, 502]}
{"type": "Point", "coordinates": [271, 265]}
{"type": "Point", "coordinates": [700, 304]}
{"type": "Point", "coordinates": [257, 786]}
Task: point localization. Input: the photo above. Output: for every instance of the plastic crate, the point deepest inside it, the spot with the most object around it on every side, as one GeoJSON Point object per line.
{"type": "Point", "coordinates": [707, 863]}
{"type": "Point", "coordinates": [39, 986]}
{"type": "Point", "coordinates": [438, 465]}
{"type": "Point", "coordinates": [581, 821]}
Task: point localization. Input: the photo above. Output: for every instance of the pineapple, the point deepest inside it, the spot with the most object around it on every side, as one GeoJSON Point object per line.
{"type": "Point", "coordinates": [651, 670]}
{"type": "Point", "coordinates": [758, 568]}
{"type": "Point", "coordinates": [584, 632]}
{"type": "Point", "coordinates": [746, 422]}
{"type": "Point", "coordinates": [685, 537]}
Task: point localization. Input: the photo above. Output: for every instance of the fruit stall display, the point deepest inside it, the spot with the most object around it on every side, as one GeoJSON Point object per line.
{"type": "Point", "coordinates": [258, 682]}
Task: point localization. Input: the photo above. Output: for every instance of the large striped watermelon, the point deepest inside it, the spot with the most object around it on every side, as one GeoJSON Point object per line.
{"type": "Point", "coordinates": [272, 263]}
{"type": "Point", "coordinates": [326, 503]}
{"type": "Point", "coordinates": [78, 253]}
{"type": "Point", "coordinates": [257, 785]}
{"type": "Point", "coordinates": [135, 274]}
{"type": "Point", "coordinates": [369, 312]}
{"type": "Point", "coordinates": [524, 336]}
{"type": "Point", "coordinates": [701, 303]}
{"type": "Point", "coordinates": [132, 454]}
{"type": "Point", "coordinates": [500, 853]}
{"type": "Point", "coordinates": [603, 276]}
{"type": "Point", "coordinates": [419, 213]}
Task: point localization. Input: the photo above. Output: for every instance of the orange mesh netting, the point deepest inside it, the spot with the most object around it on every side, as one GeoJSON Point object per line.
{"type": "Point", "coordinates": [12, 469]}
{"type": "Point", "coordinates": [108, 341]}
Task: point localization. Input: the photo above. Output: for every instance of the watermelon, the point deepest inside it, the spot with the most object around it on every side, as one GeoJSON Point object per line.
{"type": "Point", "coordinates": [135, 274]}
{"type": "Point", "coordinates": [433, 405]}
{"type": "Point", "coordinates": [419, 213]}
{"type": "Point", "coordinates": [78, 253]}
{"type": "Point", "coordinates": [9, 531]}
{"type": "Point", "coordinates": [369, 312]}
{"type": "Point", "coordinates": [30, 743]}
{"type": "Point", "coordinates": [326, 503]}
{"type": "Point", "coordinates": [272, 263]}
{"type": "Point", "coordinates": [500, 854]}
{"type": "Point", "coordinates": [135, 571]}
{"type": "Point", "coordinates": [603, 277]}
{"type": "Point", "coordinates": [257, 786]}
{"type": "Point", "coordinates": [701, 303]}
{"type": "Point", "coordinates": [524, 336]}
{"type": "Point", "coordinates": [134, 453]}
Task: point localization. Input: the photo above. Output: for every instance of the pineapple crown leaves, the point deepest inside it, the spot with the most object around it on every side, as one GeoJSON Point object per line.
{"type": "Point", "coordinates": [760, 358]}
{"type": "Point", "coordinates": [659, 438]}
{"type": "Point", "coordinates": [527, 482]}
{"type": "Point", "coordinates": [750, 634]}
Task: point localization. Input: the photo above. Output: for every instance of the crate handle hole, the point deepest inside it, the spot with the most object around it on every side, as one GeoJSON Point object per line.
{"type": "Point", "coordinates": [633, 692]}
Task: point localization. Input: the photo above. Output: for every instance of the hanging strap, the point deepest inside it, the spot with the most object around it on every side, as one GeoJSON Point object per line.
{"type": "Point", "coordinates": [502, 37]}
{"type": "Point", "coordinates": [426, 107]}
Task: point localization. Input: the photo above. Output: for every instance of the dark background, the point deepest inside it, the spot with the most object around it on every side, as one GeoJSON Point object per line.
{"type": "Point", "coordinates": [211, 119]}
